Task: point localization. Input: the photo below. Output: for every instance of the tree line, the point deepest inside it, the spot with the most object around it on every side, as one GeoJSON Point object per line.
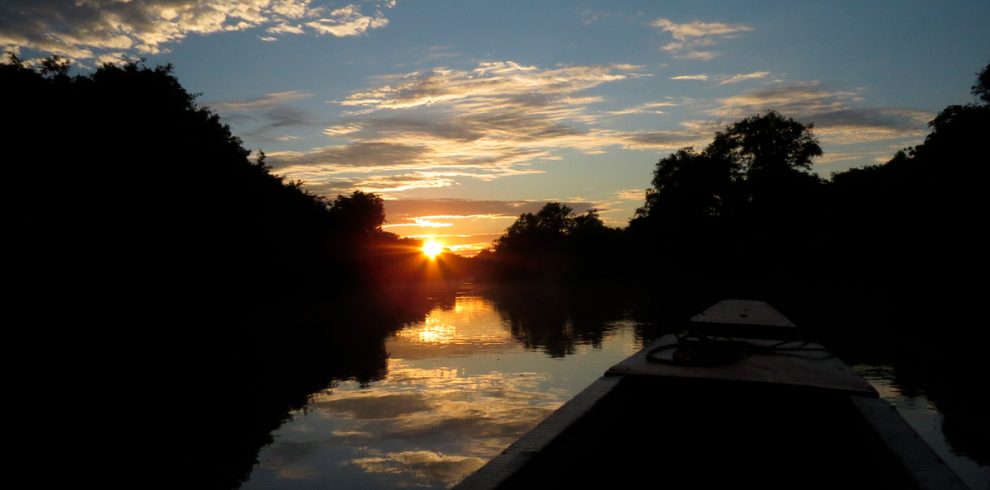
{"type": "Point", "coordinates": [747, 215]}
{"type": "Point", "coordinates": [156, 263]}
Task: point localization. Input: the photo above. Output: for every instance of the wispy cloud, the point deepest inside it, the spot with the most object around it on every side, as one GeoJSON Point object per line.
{"type": "Point", "coordinates": [499, 119]}
{"type": "Point", "coordinates": [342, 129]}
{"type": "Point", "coordinates": [698, 29]}
{"type": "Point", "coordinates": [840, 116]}
{"type": "Point", "coordinates": [630, 195]}
{"type": "Point", "coordinates": [92, 29]}
{"type": "Point", "coordinates": [270, 111]}
{"type": "Point", "coordinates": [330, 184]}
{"type": "Point", "coordinates": [742, 77]}
{"type": "Point", "coordinates": [701, 77]}
{"type": "Point", "coordinates": [266, 101]}
{"type": "Point", "coordinates": [724, 79]}
{"type": "Point", "coordinates": [692, 40]}
{"type": "Point", "coordinates": [347, 21]}
{"type": "Point", "coordinates": [492, 81]}
{"type": "Point", "coordinates": [449, 208]}
{"type": "Point", "coordinates": [645, 108]}
{"type": "Point", "coordinates": [589, 16]}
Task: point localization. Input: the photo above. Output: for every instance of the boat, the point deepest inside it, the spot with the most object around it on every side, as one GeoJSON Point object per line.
{"type": "Point", "coordinates": [736, 400]}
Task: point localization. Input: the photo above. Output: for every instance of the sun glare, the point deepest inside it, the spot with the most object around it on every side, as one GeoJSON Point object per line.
{"type": "Point", "coordinates": [432, 248]}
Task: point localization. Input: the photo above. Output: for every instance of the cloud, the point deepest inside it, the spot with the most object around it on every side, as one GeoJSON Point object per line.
{"type": "Point", "coordinates": [286, 29]}
{"type": "Point", "coordinates": [725, 79]}
{"type": "Point", "coordinates": [645, 108]}
{"type": "Point", "coordinates": [839, 115]}
{"type": "Point", "coordinates": [690, 36]}
{"type": "Point", "coordinates": [691, 55]}
{"type": "Point", "coordinates": [666, 139]}
{"type": "Point", "coordinates": [329, 184]}
{"type": "Point", "coordinates": [347, 21]}
{"type": "Point", "coordinates": [631, 195]}
{"type": "Point", "coordinates": [701, 77]}
{"type": "Point", "coordinates": [91, 29]}
{"type": "Point", "coordinates": [795, 97]}
{"type": "Point", "coordinates": [741, 77]}
{"type": "Point", "coordinates": [267, 101]}
{"type": "Point", "coordinates": [589, 16]}
{"type": "Point", "coordinates": [400, 183]}
{"type": "Point", "coordinates": [342, 129]}
{"type": "Point", "coordinates": [114, 57]}
{"type": "Point", "coordinates": [698, 29]}
{"type": "Point", "coordinates": [501, 82]}
{"type": "Point", "coordinates": [380, 155]}
{"type": "Point", "coordinates": [432, 128]}
{"type": "Point", "coordinates": [448, 208]}
{"type": "Point", "coordinates": [269, 112]}
{"type": "Point", "coordinates": [283, 116]}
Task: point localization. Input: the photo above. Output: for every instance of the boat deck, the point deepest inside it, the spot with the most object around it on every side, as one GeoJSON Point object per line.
{"type": "Point", "coordinates": [802, 364]}
{"type": "Point", "coordinates": [671, 433]}
{"type": "Point", "coordinates": [786, 415]}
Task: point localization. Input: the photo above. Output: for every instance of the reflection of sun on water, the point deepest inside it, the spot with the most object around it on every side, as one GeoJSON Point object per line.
{"type": "Point", "coordinates": [472, 322]}
{"type": "Point", "coordinates": [459, 390]}
{"type": "Point", "coordinates": [472, 306]}
{"type": "Point", "coordinates": [436, 333]}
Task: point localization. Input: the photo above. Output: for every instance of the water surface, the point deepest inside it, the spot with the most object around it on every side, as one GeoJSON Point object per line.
{"type": "Point", "coordinates": [470, 378]}
{"type": "Point", "coordinates": [461, 386]}
{"type": "Point", "coordinates": [924, 417]}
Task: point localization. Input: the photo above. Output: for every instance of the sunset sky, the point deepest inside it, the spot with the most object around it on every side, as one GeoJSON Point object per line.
{"type": "Point", "coordinates": [464, 114]}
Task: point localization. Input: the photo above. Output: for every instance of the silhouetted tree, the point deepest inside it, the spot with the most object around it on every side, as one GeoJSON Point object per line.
{"type": "Point", "coordinates": [688, 186]}
{"type": "Point", "coordinates": [766, 143]}
{"type": "Point", "coordinates": [981, 89]}
{"type": "Point", "coordinates": [54, 66]}
{"type": "Point", "coordinates": [587, 224]}
{"type": "Point", "coordinates": [553, 243]}
{"type": "Point", "coordinates": [360, 213]}
{"type": "Point", "coordinates": [734, 210]}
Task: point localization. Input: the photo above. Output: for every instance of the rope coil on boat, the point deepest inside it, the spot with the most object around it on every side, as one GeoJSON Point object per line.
{"type": "Point", "coordinates": [704, 351]}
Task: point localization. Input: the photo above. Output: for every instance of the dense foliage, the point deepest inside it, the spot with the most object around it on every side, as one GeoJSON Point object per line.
{"type": "Point", "coordinates": [747, 216]}
{"type": "Point", "coordinates": [149, 250]}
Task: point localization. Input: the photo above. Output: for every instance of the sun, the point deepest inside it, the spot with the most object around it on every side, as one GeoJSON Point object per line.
{"type": "Point", "coordinates": [432, 248]}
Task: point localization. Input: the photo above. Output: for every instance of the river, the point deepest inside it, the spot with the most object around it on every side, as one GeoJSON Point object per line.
{"type": "Point", "coordinates": [469, 379]}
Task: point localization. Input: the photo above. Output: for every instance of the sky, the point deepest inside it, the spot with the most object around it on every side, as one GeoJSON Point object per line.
{"type": "Point", "coordinates": [464, 114]}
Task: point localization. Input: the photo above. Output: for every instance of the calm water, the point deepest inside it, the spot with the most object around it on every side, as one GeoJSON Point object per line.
{"type": "Point", "coordinates": [462, 385]}
{"type": "Point", "coordinates": [922, 415]}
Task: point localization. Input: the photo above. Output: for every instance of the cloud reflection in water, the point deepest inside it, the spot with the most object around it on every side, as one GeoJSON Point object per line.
{"type": "Point", "coordinates": [460, 388]}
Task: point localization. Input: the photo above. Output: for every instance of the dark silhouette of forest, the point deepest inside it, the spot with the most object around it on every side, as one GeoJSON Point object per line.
{"type": "Point", "coordinates": [161, 267]}
{"type": "Point", "coordinates": [158, 266]}
{"type": "Point", "coordinates": [747, 216]}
